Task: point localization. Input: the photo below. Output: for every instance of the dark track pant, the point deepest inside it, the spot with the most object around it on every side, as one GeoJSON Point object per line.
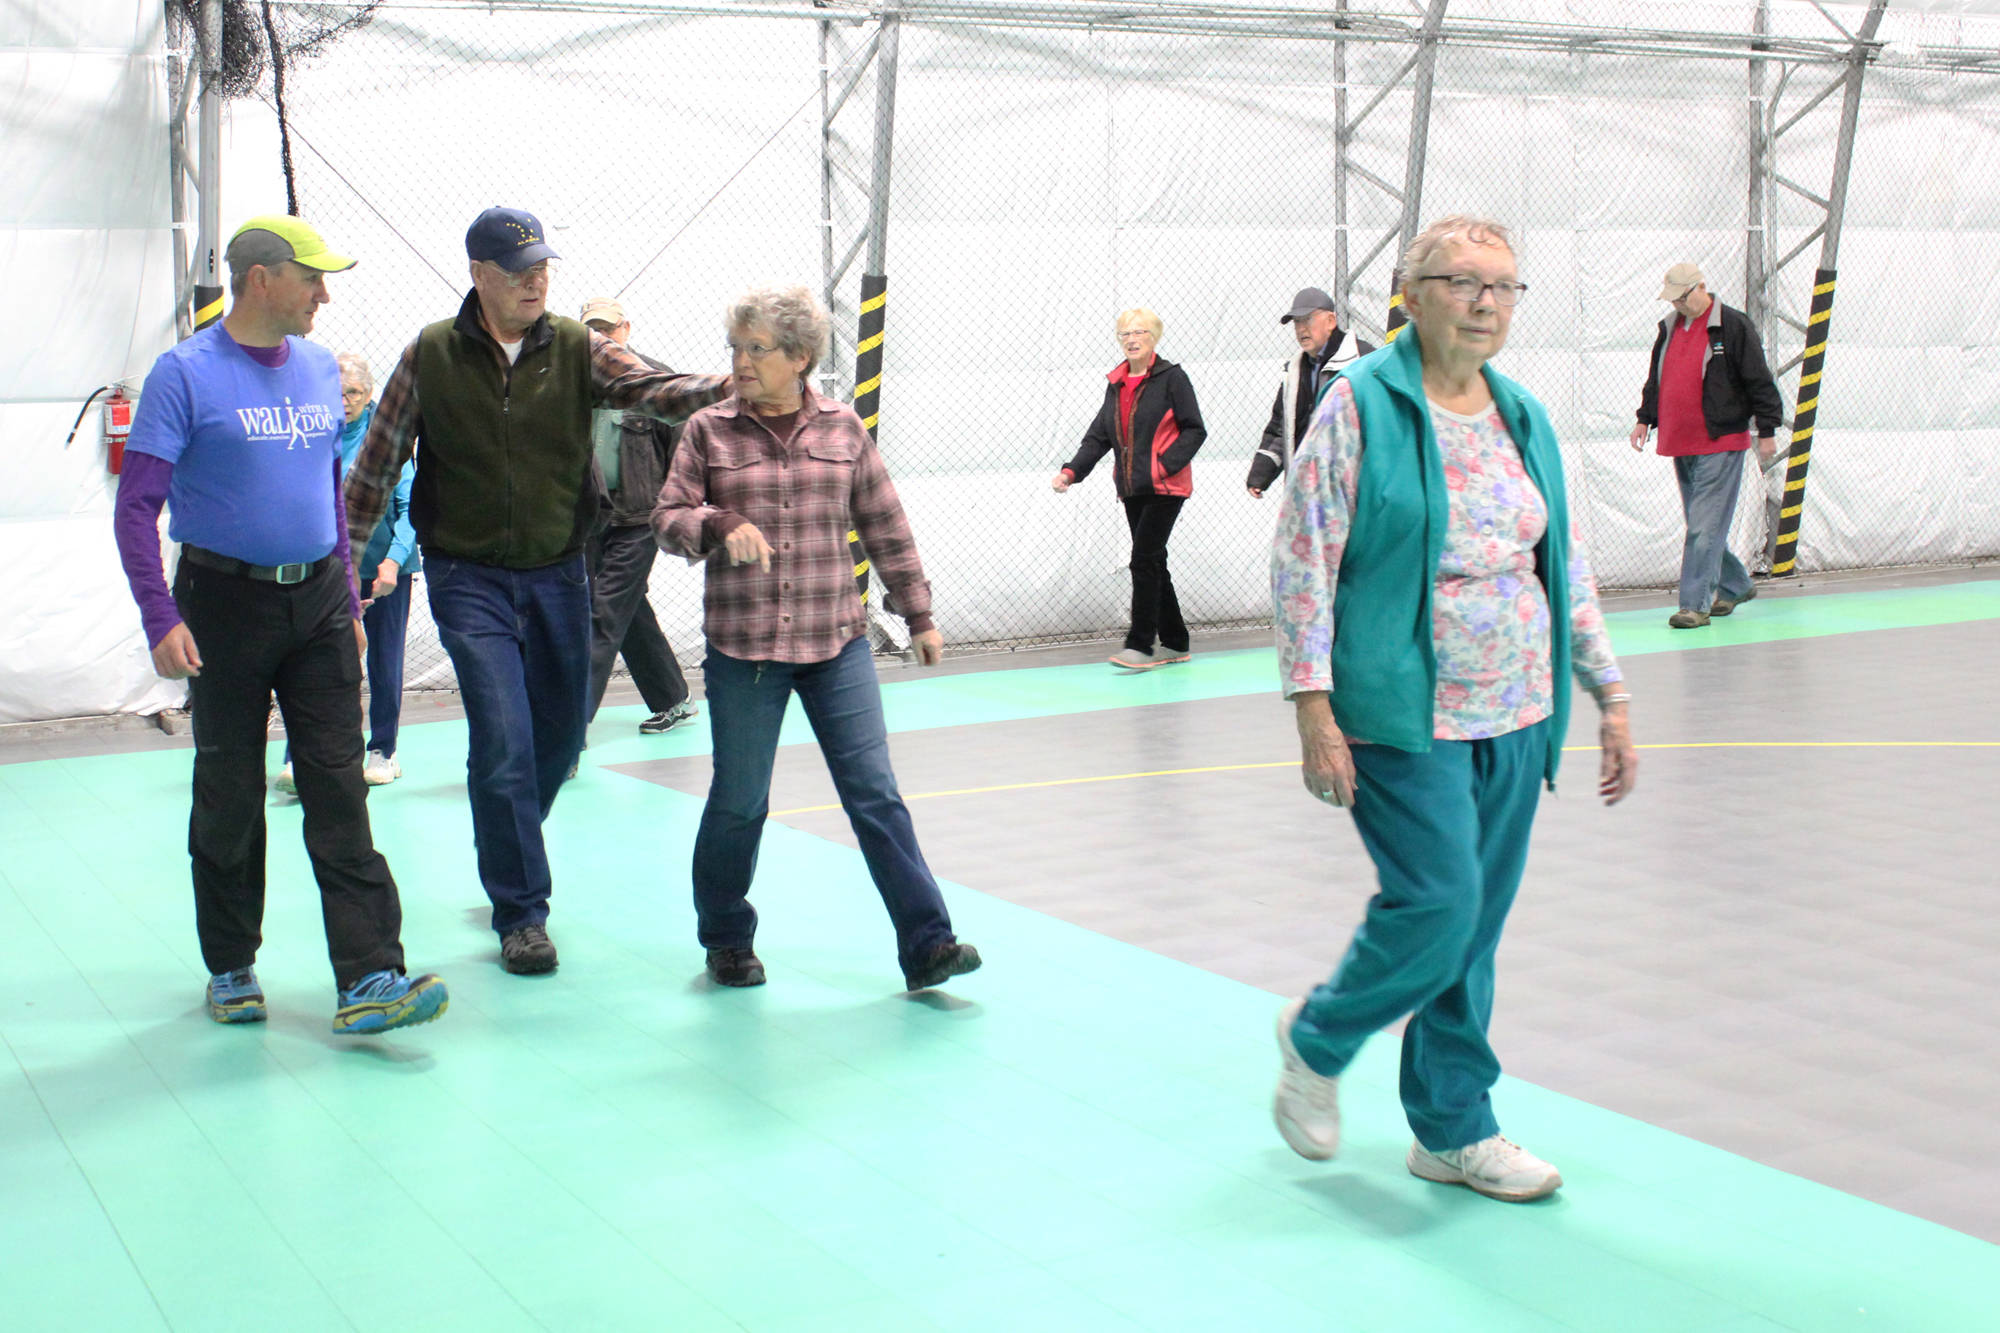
{"type": "Point", "coordinates": [622, 620]}
{"type": "Point", "coordinates": [1156, 612]}
{"type": "Point", "coordinates": [255, 638]}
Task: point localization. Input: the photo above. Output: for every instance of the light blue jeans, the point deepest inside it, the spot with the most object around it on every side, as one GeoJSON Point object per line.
{"type": "Point", "coordinates": [1709, 483]}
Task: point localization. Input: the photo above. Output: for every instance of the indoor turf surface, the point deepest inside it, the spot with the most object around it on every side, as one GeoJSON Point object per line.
{"type": "Point", "coordinates": [1077, 1137]}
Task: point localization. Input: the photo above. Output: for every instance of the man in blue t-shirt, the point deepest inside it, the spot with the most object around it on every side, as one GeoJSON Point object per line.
{"type": "Point", "coordinates": [238, 429]}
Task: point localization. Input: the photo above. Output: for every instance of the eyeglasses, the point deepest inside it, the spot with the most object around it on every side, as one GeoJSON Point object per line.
{"type": "Point", "coordinates": [542, 272]}
{"type": "Point", "coordinates": [1464, 287]}
{"type": "Point", "coordinates": [757, 351]}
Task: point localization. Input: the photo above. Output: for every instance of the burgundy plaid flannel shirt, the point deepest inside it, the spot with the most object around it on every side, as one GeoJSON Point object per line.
{"type": "Point", "coordinates": [804, 495]}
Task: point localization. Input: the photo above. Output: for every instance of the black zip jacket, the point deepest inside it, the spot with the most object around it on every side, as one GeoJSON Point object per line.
{"type": "Point", "coordinates": [1166, 431]}
{"type": "Point", "coordinates": [1736, 382]}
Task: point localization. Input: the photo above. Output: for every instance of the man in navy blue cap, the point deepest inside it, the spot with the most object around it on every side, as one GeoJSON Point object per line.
{"type": "Point", "coordinates": [500, 398]}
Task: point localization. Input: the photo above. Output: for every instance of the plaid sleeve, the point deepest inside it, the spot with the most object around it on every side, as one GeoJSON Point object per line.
{"type": "Point", "coordinates": [378, 466]}
{"type": "Point", "coordinates": [885, 533]}
{"type": "Point", "coordinates": [620, 377]}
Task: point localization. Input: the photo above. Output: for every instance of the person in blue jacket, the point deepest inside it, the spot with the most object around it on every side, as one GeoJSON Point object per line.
{"type": "Point", "coordinates": [385, 571]}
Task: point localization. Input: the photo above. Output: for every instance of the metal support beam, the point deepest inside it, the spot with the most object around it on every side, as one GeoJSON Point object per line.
{"type": "Point", "coordinates": [1819, 321]}
{"type": "Point", "coordinates": [1342, 284]}
{"type": "Point", "coordinates": [181, 79]}
{"type": "Point", "coordinates": [1413, 161]}
{"type": "Point", "coordinates": [208, 169]}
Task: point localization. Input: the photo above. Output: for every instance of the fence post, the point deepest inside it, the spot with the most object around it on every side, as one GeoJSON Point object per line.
{"type": "Point", "coordinates": [874, 279]}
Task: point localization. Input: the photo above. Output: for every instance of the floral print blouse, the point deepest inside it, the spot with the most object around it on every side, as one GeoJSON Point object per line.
{"type": "Point", "coordinates": [1489, 612]}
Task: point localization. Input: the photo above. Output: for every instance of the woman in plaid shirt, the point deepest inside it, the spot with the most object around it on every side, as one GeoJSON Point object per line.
{"type": "Point", "coordinates": [765, 488]}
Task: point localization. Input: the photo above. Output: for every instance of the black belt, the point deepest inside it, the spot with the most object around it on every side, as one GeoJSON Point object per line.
{"type": "Point", "coordinates": [286, 574]}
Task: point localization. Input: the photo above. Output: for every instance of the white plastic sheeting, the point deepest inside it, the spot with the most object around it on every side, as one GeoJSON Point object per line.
{"type": "Point", "coordinates": [86, 244]}
{"type": "Point", "coordinates": [1044, 180]}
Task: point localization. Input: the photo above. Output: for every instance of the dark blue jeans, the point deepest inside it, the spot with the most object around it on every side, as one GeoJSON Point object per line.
{"type": "Point", "coordinates": [843, 702]}
{"type": "Point", "coordinates": [519, 641]}
{"type": "Point", "coordinates": [387, 621]}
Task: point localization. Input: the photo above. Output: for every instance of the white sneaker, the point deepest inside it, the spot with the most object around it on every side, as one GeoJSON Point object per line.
{"type": "Point", "coordinates": [380, 769]}
{"type": "Point", "coordinates": [1494, 1167]}
{"type": "Point", "coordinates": [1307, 1107]}
{"type": "Point", "coordinates": [285, 783]}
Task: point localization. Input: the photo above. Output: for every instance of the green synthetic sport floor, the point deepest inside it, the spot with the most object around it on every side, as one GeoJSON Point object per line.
{"type": "Point", "coordinates": [1077, 1137]}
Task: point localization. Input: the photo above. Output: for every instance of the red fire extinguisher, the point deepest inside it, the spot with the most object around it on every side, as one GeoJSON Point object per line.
{"type": "Point", "coordinates": [117, 424]}
{"type": "Point", "coordinates": [117, 427]}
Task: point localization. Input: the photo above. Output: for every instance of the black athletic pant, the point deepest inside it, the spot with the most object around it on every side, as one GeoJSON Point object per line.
{"type": "Point", "coordinates": [255, 637]}
{"type": "Point", "coordinates": [1156, 612]}
{"type": "Point", "coordinates": [622, 620]}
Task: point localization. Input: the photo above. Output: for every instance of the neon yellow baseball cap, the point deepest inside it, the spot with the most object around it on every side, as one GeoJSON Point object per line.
{"type": "Point", "coordinates": [274, 238]}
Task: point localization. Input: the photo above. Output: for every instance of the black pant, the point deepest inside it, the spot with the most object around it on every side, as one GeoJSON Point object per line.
{"type": "Point", "coordinates": [1156, 612]}
{"type": "Point", "coordinates": [622, 621]}
{"type": "Point", "coordinates": [255, 637]}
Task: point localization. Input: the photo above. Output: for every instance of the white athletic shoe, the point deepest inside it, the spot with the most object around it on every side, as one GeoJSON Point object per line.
{"type": "Point", "coordinates": [1307, 1106]}
{"type": "Point", "coordinates": [1495, 1167]}
{"type": "Point", "coordinates": [380, 769]}
{"type": "Point", "coordinates": [285, 783]}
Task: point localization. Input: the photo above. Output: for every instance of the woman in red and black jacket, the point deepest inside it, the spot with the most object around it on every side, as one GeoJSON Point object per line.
{"type": "Point", "coordinates": [1151, 425]}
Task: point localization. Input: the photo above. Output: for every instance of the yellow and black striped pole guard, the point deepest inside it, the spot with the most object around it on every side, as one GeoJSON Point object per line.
{"type": "Point", "coordinates": [1785, 554]}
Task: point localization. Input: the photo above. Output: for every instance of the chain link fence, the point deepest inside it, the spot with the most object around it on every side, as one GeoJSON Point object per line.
{"type": "Point", "coordinates": [1048, 172]}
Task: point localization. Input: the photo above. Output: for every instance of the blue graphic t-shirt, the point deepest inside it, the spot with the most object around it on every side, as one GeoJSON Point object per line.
{"type": "Point", "coordinates": [255, 449]}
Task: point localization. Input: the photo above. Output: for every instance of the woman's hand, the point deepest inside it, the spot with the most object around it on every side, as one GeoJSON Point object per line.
{"type": "Point", "coordinates": [1324, 760]}
{"type": "Point", "coordinates": [928, 646]}
{"type": "Point", "coordinates": [746, 546]}
{"type": "Point", "coordinates": [1618, 765]}
{"type": "Point", "coordinates": [1061, 482]}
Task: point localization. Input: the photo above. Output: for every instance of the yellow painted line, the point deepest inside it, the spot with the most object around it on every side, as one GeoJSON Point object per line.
{"type": "Point", "coordinates": [209, 313]}
{"type": "Point", "coordinates": [1802, 434]}
{"type": "Point", "coordinates": [1820, 317]}
{"type": "Point", "coordinates": [867, 387]}
{"type": "Point", "coordinates": [1783, 566]}
{"type": "Point", "coordinates": [874, 302]}
{"type": "Point", "coordinates": [1792, 511]}
{"type": "Point", "coordinates": [1797, 484]}
{"type": "Point", "coordinates": [1808, 405]}
{"type": "Point", "coordinates": [853, 535]}
{"type": "Point", "coordinates": [1799, 459]}
{"type": "Point", "coordinates": [1817, 349]}
{"type": "Point", "coordinates": [1809, 379]}
{"type": "Point", "coordinates": [861, 569]}
{"type": "Point", "coordinates": [870, 420]}
{"type": "Point", "coordinates": [1823, 288]}
{"type": "Point", "coordinates": [868, 344]}
{"type": "Point", "coordinates": [1293, 763]}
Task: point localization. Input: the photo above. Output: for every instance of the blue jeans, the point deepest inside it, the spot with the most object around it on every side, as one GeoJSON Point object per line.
{"type": "Point", "coordinates": [1448, 832]}
{"type": "Point", "coordinates": [519, 641]}
{"type": "Point", "coordinates": [843, 702]}
{"type": "Point", "coordinates": [387, 621]}
{"type": "Point", "coordinates": [1709, 483]}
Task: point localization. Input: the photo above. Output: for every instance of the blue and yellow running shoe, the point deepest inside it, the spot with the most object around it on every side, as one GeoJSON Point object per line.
{"type": "Point", "coordinates": [388, 999]}
{"type": "Point", "coordinates": [235, 997]}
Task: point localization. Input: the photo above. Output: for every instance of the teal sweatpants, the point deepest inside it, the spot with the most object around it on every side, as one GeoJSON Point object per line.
{"type": "Point", "coordinates": [1448, 832]}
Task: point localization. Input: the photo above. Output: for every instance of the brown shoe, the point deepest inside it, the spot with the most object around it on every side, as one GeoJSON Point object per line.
{"type": "Point", "coordinates": [1723, 606]}
{"type": "Point", "coordinates": [1688, 619]}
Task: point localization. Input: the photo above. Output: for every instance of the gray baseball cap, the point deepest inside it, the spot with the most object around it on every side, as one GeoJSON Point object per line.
{"type": "Point", "coordinates": [1308, 300]}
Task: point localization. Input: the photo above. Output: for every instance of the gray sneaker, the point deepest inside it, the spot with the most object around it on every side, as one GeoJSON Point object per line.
{"type": "Point", "coordinates": [1131, 659]}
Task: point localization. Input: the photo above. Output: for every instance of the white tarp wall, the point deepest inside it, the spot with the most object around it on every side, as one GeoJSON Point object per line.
{"type": "Point", "coordinates": [1047, 178]}
{"type": "Point", "coordinates": [88, 251]}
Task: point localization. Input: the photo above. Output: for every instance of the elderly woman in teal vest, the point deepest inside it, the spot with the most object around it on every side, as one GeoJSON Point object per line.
{"type": "Point", "coordinates": [1432, 603]}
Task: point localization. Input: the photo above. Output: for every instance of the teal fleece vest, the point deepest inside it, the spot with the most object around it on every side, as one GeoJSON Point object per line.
{"type": "Point", "coordinates": [1384, 662]}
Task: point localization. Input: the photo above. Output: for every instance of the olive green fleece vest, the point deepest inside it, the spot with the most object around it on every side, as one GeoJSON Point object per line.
{"type": "Point", "coordinates": [503, 463]}
{"type": "Point", "coordinates": [1384, 659]}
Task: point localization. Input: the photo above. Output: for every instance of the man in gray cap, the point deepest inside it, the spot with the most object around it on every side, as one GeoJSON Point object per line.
{"type": "Point", "coordinates": [1706, 381]}
{"type": "Point", "coordinates": [500, 397]}
{"type": "Point", "coordinates": [1323, 350]}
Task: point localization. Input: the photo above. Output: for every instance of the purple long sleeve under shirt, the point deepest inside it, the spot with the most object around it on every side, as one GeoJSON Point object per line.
{"type": "Point", "coordinates": [135, 523]}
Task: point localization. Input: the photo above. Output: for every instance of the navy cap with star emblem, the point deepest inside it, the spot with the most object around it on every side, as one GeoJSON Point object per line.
{"type": "Point", "coordinates": [508, 237]}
